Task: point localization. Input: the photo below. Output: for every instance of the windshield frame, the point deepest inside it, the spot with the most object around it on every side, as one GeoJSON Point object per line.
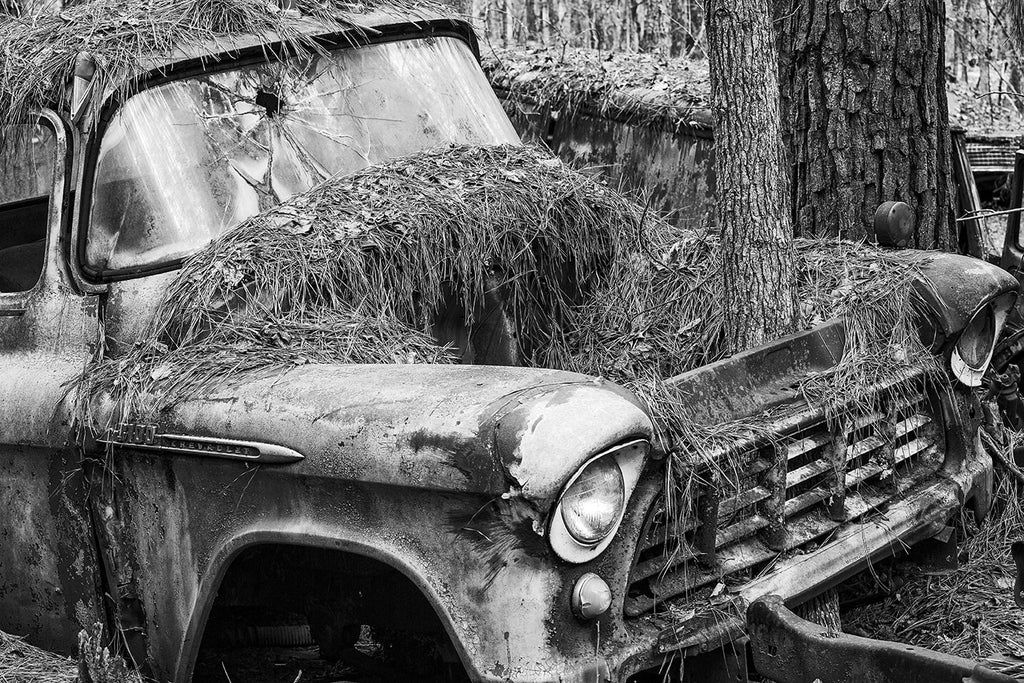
{"type": "Point", "coordinates": [257, 53]}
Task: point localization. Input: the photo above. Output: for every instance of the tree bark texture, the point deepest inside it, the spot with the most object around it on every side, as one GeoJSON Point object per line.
{"type": "Point", "coordinates": [752, 210]}
{"type": "Point", "coordinates": [865, 114]}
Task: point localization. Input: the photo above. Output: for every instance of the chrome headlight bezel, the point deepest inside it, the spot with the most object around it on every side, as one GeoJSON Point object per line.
{"type": "Point", "coordinates": [971, 371]}
{"type": "Point", "coordinates": [629, 459]}
{"type": "Point", "coordinates": [982, 329]}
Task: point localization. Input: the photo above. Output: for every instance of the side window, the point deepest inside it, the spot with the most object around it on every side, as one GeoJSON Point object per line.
{"type": "Point", "coordinates": [27, 156]}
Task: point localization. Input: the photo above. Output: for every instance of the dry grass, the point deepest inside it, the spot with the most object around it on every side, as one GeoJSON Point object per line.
{"type": "Point", "coordinates": [968, 612]}
{"type": "Point", "coordinates": [96, 662]}
{"type": "Point", "coordinates": [38, 49]}
{"type": "Point", "coordinates": [24, 663]}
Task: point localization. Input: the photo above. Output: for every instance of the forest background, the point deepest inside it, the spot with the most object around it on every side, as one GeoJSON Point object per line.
{"type": "Point", "coordinates": [984, 64]}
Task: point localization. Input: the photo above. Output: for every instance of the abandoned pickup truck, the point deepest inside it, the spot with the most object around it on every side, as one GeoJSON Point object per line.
{"type": "Point", "coordinates": [346, 493]}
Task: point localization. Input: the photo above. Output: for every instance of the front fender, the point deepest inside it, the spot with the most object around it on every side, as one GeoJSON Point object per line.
{"type": "Point", "coordinates": [956, 287]}
{"type": "Point", "coordinates": [442, 471]}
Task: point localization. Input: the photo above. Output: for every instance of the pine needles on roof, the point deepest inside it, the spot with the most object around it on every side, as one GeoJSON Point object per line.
{"type": "Point", "coordinates": [634, 87]}
{"type": "Point", "coordinates": [38, 51]}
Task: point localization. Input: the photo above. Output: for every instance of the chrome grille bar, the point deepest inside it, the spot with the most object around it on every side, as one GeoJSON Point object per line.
{"type": "Point", "coordinates": [774, 507]}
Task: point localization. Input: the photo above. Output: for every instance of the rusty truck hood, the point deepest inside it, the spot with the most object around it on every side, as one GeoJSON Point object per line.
{"type": "Point", "coordinates": [478, 429]}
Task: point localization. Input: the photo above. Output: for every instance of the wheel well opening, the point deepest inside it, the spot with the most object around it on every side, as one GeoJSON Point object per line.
{"type": "Point", "coordinates": [281, 609]}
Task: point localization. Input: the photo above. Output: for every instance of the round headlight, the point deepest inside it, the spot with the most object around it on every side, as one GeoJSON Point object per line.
{"type": "Point", "coordinates": [977, 340]}
{"type": "Point", "coordinates": [973, 349]}
{"type": "Point", "coordinates": [593, 502]}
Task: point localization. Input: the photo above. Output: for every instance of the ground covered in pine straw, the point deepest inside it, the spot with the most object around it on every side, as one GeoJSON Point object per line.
{"type": "Point", "coordinates": [969, 611]}
{"type": "Point", "coordinates": [24, 663]}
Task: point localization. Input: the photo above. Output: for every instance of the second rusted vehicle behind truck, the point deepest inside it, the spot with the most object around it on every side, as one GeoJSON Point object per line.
{"type": "Point", "coordinates": [512, 519]}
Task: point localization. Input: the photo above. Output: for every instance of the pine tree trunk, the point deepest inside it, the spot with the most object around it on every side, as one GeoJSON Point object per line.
{"type": "Point", "coordinates": [663, 28]}
{"type": "Point", "coordinates": [478, 15]}
{"type": "Point", "coordinates": [506, 23]}
{"type": "Point", "coordinates": [752, 210]}
{"type": "Point", "coordinates": [864, 101]}
{"type": "Point", "coordinates": [545, 21]}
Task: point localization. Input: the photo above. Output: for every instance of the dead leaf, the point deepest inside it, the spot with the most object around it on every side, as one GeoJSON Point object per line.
{"type": "Point", "coordinates": [161, 372]}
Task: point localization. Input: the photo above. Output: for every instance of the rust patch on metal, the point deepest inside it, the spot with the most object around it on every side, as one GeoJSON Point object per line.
{"type": "Point", "coordinates": [468, 455]}
{"type": "Point", "coordinates": [500, 531]}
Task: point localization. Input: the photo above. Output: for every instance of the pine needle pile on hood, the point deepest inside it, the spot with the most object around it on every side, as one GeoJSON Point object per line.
{"type": "Point", "coordinates": [358, 269]}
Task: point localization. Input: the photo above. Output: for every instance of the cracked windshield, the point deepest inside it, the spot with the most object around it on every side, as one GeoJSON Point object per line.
{"type": "Point", "coordinates": [182, 162]}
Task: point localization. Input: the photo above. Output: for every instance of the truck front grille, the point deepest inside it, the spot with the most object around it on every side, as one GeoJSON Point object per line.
{"type": "Point", "coordinates": [782, 498]}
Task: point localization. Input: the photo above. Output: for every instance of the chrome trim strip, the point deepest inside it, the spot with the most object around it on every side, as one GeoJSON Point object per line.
{"type": "Point", "coordinates": [145, 437]}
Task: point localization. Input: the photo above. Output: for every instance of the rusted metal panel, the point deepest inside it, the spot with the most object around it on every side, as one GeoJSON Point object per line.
{"type": "Point", "coordinates": [958, 286]}
{"type": "Point", "coordinates": [50, 584]}
{"type": "Point", "coordinates": [754, 380]}
{"type": "Point", "coordinates": [465, 428]}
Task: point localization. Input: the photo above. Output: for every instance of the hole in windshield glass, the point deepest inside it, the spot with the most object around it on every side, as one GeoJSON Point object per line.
{"type": "Point", "coordinates": [269, 101]}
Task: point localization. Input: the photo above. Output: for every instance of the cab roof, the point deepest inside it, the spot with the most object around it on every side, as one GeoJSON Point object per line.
{"type": "Point", "coordinates": [115, 43]}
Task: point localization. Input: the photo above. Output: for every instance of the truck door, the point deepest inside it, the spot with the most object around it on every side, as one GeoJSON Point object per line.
{"type": "Point", "coordinates": [49, 576]}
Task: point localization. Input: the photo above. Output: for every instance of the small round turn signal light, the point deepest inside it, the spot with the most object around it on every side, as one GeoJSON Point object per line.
{"type": "Point", "coordinates": [591, 597]}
